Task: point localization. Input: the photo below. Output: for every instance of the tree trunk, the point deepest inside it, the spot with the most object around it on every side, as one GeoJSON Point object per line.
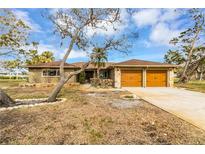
{"type": "Point", "coordinates": [201, 73]}
{"type": "Point", "coordinates": [61, 83]}
{"type": "Point", "coordinates": [5, 100]}
{"type": "Point", "coordinates": [201, 76]}
{"type": "Point", "coordinates": [196, 75]}
{"type": "Point", "coordinates": [194, 66]}
{"type": "Point", "coordinates": [184, 77]}
{"type": "Point", "coordinates": [56, 91]}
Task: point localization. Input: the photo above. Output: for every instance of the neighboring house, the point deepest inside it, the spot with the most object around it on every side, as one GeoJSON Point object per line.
{"type": "Point", "coordinates": [131, 73]}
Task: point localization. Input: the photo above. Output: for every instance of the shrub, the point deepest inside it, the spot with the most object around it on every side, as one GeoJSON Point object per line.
{"type": "Point", "coordinates": [82, 77]}
{"type": "Point", "coordinates": [128, 96]}
{"type": "Point", "coordinates": [95, 82]}
{"type": "Point", "coordinates": [103, 83]}
{"type": "Point", "coordinates": [13, 77]}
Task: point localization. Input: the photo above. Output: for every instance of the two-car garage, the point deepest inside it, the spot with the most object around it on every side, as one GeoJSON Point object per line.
{"type": "Point", "coordinates": [141, 73]}
{"type": "Point", "coordinates": [142, 78]}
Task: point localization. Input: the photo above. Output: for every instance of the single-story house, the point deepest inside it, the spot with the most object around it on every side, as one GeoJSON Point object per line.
{"type": "Point", "coordinates": [130, 73]}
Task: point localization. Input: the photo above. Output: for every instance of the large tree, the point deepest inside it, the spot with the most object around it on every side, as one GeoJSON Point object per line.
{"type": "Point", "coordinates": [35, 58]}
{"type": "Point", "coordinates": [13, 36]}
{"type": "Point", "coordinates": [190, 45]}
{"type": "Point", "coordinates": [30, 58]}
{"type": "Point", "coordinates": [13, 33]}
{"type": "Point", "coordinates": [196, 66]}
{"type": "Point", "coordinates": [74, 24]}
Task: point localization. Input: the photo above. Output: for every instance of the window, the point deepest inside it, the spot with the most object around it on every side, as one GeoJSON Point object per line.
{"type": "Point", "coordinates": [105, 74]}
{"type": "Point", "coordinates": [51, 72]}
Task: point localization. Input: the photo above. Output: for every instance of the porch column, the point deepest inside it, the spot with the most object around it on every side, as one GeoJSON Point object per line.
{"type": "Point", "coordinates": [95, 74]}
{"type": "Point", "coordinates": [117, 78]}
{"type": "Point", "coordinates": [170, 78]}
{"type": "Point", "coordinates": [144, 77]}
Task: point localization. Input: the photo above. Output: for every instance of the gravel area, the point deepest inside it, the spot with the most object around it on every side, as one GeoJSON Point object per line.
{"type": "Point", "coordinates": [123, 104]}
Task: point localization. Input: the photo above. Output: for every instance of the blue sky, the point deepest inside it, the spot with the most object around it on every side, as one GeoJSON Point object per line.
{"type": "Point", "coordinates": [155, 27]}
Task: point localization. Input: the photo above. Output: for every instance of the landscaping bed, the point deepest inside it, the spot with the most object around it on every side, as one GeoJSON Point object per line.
{"type": "Point", "coordinates": [19, 103]}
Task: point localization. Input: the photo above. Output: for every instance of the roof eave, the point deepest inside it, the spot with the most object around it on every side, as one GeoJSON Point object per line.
{"type": "Point", "coordinates": [50, 67]}
{"type": "Point", "coordinates": [170, 66]}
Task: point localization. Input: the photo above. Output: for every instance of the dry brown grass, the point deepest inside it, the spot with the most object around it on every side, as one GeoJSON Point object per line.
{"type": "Point", "coordinates": [85, 119]}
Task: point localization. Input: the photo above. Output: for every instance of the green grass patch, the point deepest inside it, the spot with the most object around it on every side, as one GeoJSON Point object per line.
{"type": "Point", "coordinates": [128, 96]}
{"type": "Point", "coordinates": [13, 78]}
{"type": "Point", "coordinates": [194, 85]}
{"type": "Point", "coordinates": [11, 82]}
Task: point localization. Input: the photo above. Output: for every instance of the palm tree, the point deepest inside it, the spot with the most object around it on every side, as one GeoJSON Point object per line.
{"type": "Point", "coordinates": [99, 59]}
{"type": "Point", "coordinates": [35, 58]}
{"type": "Point", "coordinates": [46, 57]}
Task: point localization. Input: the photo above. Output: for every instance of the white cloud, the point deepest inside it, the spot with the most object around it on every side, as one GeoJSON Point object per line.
{"type": "Point", "coordinates": [164, 23]}
{"type": "Point", "coordinates": [47, 47]}
{"type": "Point", "coordinates": [24, 16]}
{"type": "Point", "coordinates": [77, 54]}
{"type": "Point", "coordinates": [146, 17]}
{"type": "Point", "coordinates": [150, 17]}
{"type": "Point", "coordinates": [162, 34]}
{"type": "Point", "coordinates": [59, 53]}
{"type": "Point", "coordinates": [169, 15]}
{"type": "Point", "coordinates": [74, 54]}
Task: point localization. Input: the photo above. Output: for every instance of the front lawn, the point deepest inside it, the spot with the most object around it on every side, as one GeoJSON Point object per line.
{"type": "Point", "coordinates": [193, 85]}
{"type": "Point", "coordinates": [88, 117]}
{"type": "Point", "coordinates": [5, 83]}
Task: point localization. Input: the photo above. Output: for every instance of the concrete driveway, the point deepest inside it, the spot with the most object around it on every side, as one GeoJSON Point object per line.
{"type": "Point", "coordinates": [187, 105]}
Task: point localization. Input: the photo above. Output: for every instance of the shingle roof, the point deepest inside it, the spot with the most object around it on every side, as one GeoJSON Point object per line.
{"type": "Point", "coordinates": [137, 62]}
{"type": "Point", "coordinates": [54, 64]}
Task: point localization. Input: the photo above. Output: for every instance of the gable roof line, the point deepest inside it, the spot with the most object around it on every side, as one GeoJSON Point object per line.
{"type": "Point", "coordinates": [145, 66]}
{"type": "Point", "coordinates": [144, 63]}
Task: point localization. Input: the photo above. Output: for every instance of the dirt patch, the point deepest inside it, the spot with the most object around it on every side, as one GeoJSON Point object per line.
{"type": "Point", "coordinates": [116, 99]}
{"type": "Point", "coordinates": [85, 118]}
{"type": "Point", "coordinates": [124, 104]}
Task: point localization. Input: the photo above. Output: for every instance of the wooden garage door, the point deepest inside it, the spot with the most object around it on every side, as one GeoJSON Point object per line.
{"type": "Point", "coordinates": [131, 78]}
{"type": "Point", "coordinates": [157, 78]}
